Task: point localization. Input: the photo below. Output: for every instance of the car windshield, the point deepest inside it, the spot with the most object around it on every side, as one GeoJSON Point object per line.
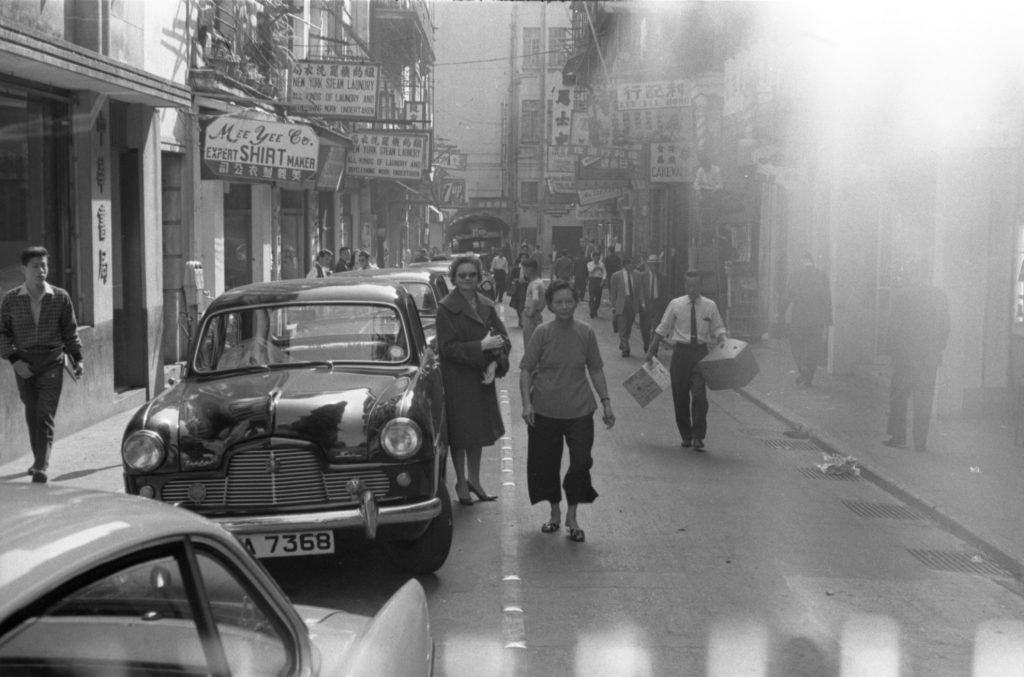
{"type": "Point", "coordinates": [268, 336]}
{"type": "Point", "coordinates": [422, 296]}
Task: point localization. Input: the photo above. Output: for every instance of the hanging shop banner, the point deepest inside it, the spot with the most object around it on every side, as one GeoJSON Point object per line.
{"type": "Point", "coordinates": [654, 94]}
{"type": "Point", "coordinates": [669, 163]}
{"type": "Point", "coordinates": [560, 105]}
{"type": "Point", "coordinates": [591, 191]}
{"type": "Point", "coordinates": [332, 167]}
{"type": "Point", "coordinates": [390, 155]}
{"type": "Point", "coordinates": [254, 149]}
{"type": "Point", "coordinates": [334, 89]}
{"type": "Point", "coordinates": [609, 126]}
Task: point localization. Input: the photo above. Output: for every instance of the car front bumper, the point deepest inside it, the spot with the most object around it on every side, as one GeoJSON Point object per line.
{"type": "Point", "coordinates": [368, 516]}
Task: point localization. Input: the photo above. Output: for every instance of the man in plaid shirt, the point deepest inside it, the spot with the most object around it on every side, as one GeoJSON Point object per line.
{"type": "Point", "coordinates": [37, 326]}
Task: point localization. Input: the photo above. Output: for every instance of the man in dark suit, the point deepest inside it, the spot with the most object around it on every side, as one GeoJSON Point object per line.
{"type": "Point", "coordinates": [655, 297]}
{"type": "Point", "coordinates": [918, 332]}
{"type": "Point", "coordinates": [627, 296]}
{"type": "Point", "coordinates": [809, 303]}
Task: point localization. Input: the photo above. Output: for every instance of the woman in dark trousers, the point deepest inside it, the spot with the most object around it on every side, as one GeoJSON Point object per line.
{"type": "Point", "coordinates": [474, 347]}
{"type": "Point", "coordinates": [559, 404]}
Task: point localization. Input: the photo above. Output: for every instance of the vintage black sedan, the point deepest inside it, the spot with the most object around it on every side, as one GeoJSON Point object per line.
{"type": "Point", "coordinates": [442, 267]}
{"type": "Point", "coordinates": [307, 408]}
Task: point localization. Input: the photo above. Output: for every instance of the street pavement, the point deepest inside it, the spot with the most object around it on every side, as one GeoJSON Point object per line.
{"type": "Point", "coordinates": [968, 479]}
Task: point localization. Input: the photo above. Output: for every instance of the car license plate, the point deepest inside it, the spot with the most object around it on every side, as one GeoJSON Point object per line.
{"type": "Point", "coordinates": [289, 544]}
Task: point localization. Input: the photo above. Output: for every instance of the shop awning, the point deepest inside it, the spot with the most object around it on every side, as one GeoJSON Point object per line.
{"type": "Point", "coordinates": [62, 65]}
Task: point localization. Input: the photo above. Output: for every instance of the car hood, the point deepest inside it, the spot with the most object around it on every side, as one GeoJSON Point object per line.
{"type": "Point", "coordinates": [336, 409]}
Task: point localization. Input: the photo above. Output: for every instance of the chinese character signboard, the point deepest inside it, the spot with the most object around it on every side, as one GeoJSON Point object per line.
{"type": "Point", "coordinates": [668, 163]}
{"type": "Point", "coordinates": [336, 89]}
{"type": "Point", "coordinates": [560, 103]}
{"type": "Point", "coordinates": [656, 94]}
{"type": "Point", "coordinates": [390, 155]}
{"type": "Point", "coordinates": [246, 149]}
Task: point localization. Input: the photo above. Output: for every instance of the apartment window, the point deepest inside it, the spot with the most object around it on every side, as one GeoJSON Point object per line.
{"type": "Point", "coordinates": [530, 123]}
{"type": "Point", "coordinates": [531, 48]}
{"type": "Point", "coordinates": [528, 192]}
{"type": "Point", "coordinates": [558, 46]}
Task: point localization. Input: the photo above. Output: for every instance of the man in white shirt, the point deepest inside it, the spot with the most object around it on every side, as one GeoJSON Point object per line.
{"type": "Point", "coordinates": [690, 323]}
{"type": "Point", "coordinates": [499, 269]}
{"type": "Point", "coordinates": [322, 265]}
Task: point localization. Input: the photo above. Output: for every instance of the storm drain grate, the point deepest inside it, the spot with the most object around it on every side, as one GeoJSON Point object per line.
{"type": "Point", "coordinates": [797, 445]}
{"type": "Point", "coordinates": [887, 510]}
{"type": "Point", "coordinates": [958, 562]}
{"type": "Point", "coordinates": [816, 473]}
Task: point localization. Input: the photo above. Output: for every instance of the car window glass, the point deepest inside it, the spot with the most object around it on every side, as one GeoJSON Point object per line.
{"type": "Point", "coordinates": [137, 620]}
{"type": "Point", "coordinates": [252, 643]}
{"type": "Point", "coordinates": [422, 296]}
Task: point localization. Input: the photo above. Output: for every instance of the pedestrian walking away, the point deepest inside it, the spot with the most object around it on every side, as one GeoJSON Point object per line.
{"type": "Point", "coordinates": [690, 323]}
{"type": "Point", "coordinates": [321, 265]}
{"type": "Point", "coordinates": [37, 328]}
{"type": "Point", "coordinates": [499, 269]}
{"type": "Point", "coordinates": [627, 296]}
{"type": "Point", "coordinates": [533, 301]}
{"type": "Point", "coordinates": [562, 270]}
{"type": "Point", "coordinates": [918, 331]}
{"type": "Point", "coordinates": [474, 347]}
{"type": "Point", "coordinates": [612, 265]}
{"type": "Point", "coordinates": [517, 288]}
{"type": "Point", "coordinates": [654, 283]}
{"type": "Point", "coordinates": [558, 406]}
{"type": "Point", "coordinates": [580, 274]}
{"type": "Point", "coordinates": [809, 306]}
{"type": "Point", "coordinates": [596, 274]}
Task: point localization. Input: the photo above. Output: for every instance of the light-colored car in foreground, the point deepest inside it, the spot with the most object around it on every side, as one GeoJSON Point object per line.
{"type": "Point", "coordinates": [96, 583]}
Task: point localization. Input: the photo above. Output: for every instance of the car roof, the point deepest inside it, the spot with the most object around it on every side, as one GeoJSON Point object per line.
{"type": "Point", "coordinates": [307, 290]}
{"type": "Point", "coordinates": [53, 533]}
{"type": "Point", "coordinates": [399, 274]}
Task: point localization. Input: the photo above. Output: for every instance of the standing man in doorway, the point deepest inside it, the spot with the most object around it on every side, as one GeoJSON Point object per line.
{"type": "Point", "coordinates": [690, 323]}
{"type": "Point", "coordinates": [37, 326]}
{"type": "Point", "coordinates": [918, 332]}
{"type": "Point", "coordinates": [810, 312]}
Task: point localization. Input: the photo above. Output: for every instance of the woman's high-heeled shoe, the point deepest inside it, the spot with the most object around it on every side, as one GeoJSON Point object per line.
{"type": "Point", "coordinates": [463, 501]}
{"type": "Point", "coordinates": [479, 494]}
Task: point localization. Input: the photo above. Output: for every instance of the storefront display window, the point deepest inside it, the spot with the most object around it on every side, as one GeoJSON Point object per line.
{"type": "Point", "coordinates": [34, 186]}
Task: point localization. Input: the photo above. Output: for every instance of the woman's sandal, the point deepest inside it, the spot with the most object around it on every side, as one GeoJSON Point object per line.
{"type": "Point", "coordinates": [550, 527]}
{"type": "Point", "coordinates": [576, 535]}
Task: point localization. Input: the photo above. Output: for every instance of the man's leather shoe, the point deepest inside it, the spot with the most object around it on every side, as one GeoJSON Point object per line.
{"type": "Point", "coordinates": [895, 443]}
{"type": "Point", "coordinates": [698, 444]}
{"type": "Point", "coordinates": [687, 442]}
{"type": "Point", "coordinates": [39, 477]}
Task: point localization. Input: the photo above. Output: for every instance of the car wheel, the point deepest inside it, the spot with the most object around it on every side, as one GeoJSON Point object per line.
{"type": "Point", "coordinates": [427, 553]}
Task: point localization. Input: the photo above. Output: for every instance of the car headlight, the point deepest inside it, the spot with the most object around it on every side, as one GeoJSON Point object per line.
{"type": "Point", "coordinates": [143, 450]}
{"type": "Point", "coordinates": [401, 437]}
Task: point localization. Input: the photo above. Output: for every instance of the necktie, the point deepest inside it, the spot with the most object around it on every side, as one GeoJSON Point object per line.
{"type": "Point", "coordinates": [693, 323]}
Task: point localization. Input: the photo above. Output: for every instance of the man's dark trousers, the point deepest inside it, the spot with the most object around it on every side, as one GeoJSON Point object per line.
{"type": "Point", "coordinates": [689, 391]}
{"type": "Point", "coordinates": [40, 394]}
{"type": "Point", "coordinates": [625, 323]}
{"type": "Point", "coordinates": [596, 284]}
{"type": "Point", "coordinates": [917, 381]}
{"type": "Point", "coordinates": [807, 341]}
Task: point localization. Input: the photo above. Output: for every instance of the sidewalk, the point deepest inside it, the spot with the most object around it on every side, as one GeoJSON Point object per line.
{"type": "Point", "coordinates": [969, 479]}
{"type": "Point", "coordinates": [87, 459]}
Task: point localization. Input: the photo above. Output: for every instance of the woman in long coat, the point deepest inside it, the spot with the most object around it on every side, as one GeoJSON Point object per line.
{"type": "Point", "coordinates": [474, 347]}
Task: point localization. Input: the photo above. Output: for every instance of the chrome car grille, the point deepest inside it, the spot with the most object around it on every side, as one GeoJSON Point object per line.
{"type": "Point", "coordinates": [275, 478]}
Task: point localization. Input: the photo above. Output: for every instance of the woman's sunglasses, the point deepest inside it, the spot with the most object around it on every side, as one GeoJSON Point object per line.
{"type": "Point", "coordinates": [466, 276]}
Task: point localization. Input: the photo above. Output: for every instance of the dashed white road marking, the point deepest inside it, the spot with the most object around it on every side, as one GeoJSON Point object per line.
{"type": "Point", "coordinates": [513, 622]}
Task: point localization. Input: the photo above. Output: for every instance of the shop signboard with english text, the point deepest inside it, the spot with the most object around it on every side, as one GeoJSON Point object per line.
{"type": "Point", "coordinates": [383, 154]}
{"type": "Point", "coordinates": [334, 89]}
{"type": "Point", "coordinates": [669, 163]}
{"type": "Point", "coordinates": [256, 149]}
